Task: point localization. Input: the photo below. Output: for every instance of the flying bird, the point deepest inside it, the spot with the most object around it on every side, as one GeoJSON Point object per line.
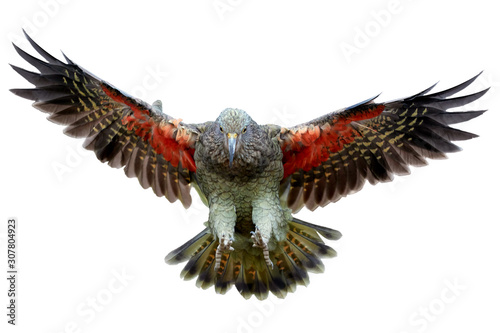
{"type": "Point", "coordinates": [252, 177]}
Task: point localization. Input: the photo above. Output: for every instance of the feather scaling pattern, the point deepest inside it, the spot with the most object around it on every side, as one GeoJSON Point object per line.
{"type": "Point", "coordinates": [251, 176]}
{"type": "Point", "coordinates": [370, 142]}
{"type": "Point", "coordinates": [120, 129]}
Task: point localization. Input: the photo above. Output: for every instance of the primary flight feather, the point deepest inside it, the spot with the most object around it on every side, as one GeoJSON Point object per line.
{"type": "Point", "coordinates": [251, 176]}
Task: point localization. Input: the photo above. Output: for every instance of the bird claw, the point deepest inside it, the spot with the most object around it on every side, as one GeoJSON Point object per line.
{"type": "Point", "coordinates": [261, 242]}
{"type": "Point", "coordinates": [224, 245]}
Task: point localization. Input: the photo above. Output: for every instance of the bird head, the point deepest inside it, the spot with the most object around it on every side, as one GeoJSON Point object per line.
{"type": "Point", "coordinates": [235, 126]}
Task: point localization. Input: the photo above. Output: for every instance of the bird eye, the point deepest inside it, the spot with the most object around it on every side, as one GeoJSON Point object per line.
{"type": "Point", "coordinates": [220, 127]}
{"type": "Point", "coordinates": [244, 130]}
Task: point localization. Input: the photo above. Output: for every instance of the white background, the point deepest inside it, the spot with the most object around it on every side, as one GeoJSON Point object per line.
{"type": "Point", "coordinates": [282, 61]}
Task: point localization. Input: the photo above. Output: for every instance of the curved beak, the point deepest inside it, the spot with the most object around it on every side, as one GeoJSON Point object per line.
{"type": "Point", "coordinates": [231, 143]}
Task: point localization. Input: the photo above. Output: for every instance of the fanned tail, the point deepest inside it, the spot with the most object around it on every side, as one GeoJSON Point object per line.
{"type": "Point", "coordinates": [298, 254]}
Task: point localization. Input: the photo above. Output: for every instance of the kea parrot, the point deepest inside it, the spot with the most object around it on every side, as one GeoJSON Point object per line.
{"type": "Point", "coordinates": [252, 177]}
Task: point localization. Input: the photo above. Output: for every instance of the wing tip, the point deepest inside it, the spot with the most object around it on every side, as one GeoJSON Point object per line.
{"type": "Point", "coordinates": [366, 101]}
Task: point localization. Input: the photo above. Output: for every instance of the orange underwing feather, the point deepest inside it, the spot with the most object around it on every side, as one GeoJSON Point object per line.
{"type": "Point", "coordinates": [174, 148]}
{"type": "Point", "coordinates": [309, 146]}
{"type": "Point", "coordinates": [332, 156]}
{"type": "Point", "coordinates": [122, 131]}
{"type": "Point", "coordinates": [324, 160]}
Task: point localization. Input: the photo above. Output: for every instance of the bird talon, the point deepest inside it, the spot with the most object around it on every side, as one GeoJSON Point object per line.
{"type": "Point", "coordinates": [259, 241]}
{"type": "Point", "coordinates": [224, 246]}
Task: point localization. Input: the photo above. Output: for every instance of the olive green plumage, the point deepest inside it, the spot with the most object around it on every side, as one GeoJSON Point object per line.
{"type": "Point", "coordinates": [252, 177]}
{"type": "Point", "coordinates": [248, 189]}
{"type": "Point", "coordinates": [298, 254]}
{"type": "Point", "coordinates": [243, 198]}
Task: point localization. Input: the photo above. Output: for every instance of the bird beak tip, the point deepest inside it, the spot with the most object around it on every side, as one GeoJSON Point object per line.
{"type": "Point", "coordinates": [231, 141]}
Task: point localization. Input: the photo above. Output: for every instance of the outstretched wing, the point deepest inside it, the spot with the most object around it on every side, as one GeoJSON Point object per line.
{"type": "Point", "coordinates": [332, 156]}
{"type": "Point", "coordinates": [120, 129]}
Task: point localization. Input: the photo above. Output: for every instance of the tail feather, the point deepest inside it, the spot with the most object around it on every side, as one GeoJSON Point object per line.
{"type": "Point", "coordinates": [277, 285]}
{"type": "Point", "coordinates": [292, 268]}
{"type": "Point", "coordinates": [312, 230]}
{"type": "Point", "coordinates": [225, 274]}
{"type": "Point", "coordinates": [190, 248]}
{"type": "Point", "coordinates": [243, 286]}
{"type": "Point", "coordinates": [207, 273]}
{"type": "Point", "coordinates": [202, 254]}
{"type": "Point", "coordinates": [261, 284]}
{"type": "Point", "coordinates": [315, 245]}
{"type": "Point", "coordinates": [306, 256]}
{"type": "Point", "coordinates": [298, 254]}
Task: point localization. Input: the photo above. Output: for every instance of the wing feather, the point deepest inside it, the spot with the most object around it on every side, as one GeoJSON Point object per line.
{"type": "Point", "coordinates": [332, 156]}
{"type": "Point", "coordinates": [122, 130]}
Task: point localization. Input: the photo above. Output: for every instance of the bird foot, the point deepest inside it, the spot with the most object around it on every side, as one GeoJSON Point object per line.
{"type": "Point", "coordinates": [224, 245]}
{"type": "Point", "coordinates": [260, 241]}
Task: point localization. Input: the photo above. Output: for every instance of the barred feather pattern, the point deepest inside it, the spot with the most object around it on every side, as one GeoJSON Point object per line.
{"type": "Point", "coordinates": [321, 161]}
{"type": "Point", "coordinates": [371, 142]}
{"type": "Point", "coordinates": [122, 131]}
{"type": "Point", "coordinates": [294, 258]}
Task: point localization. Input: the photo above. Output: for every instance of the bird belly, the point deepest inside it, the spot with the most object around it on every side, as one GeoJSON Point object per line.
{"type": "Point", "coordinates": [239, 204]}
